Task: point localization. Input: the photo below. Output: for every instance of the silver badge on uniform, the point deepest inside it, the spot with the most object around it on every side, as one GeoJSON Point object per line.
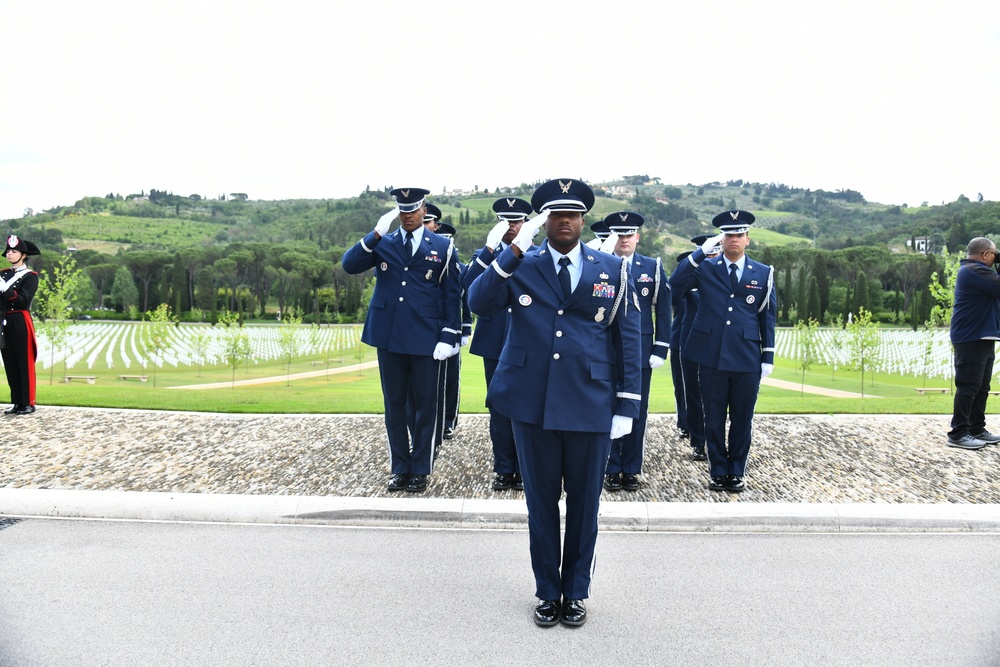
{"type": "Point", "coordinates": [599, 317]}
{"type": "Point", "coordinates": [751, 299]}
{"type": "Point", "coordinates": [645, 291]}
{"type": "Point", "coordinates": [604, 276]}
{"type": "Point", "coordinates": [384, 267]}
{"type": "Point", "coordinates": [430, 274]}
{"type": "Point", "coordinates": [753, 282]}
{"type": "Point", "coordinates": [524, 300]}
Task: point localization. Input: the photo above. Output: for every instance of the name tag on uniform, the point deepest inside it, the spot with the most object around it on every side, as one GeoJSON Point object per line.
{"type": "Point", "coordinates": [604, 291]}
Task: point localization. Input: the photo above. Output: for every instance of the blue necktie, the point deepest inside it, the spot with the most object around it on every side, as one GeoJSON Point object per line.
{"type": "Point", "coordinates": [733, 280]}
{"type": "Point", "coordinates": [564, 277]}
{"type": "Point", "coordinates": [408, 244]}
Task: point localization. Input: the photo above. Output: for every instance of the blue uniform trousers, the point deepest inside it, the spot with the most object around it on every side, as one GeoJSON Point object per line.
{"type": "Point", "coordinates": [626, 451]}
{"type": "Point", "coordinates": [736, 393]}
{"type": "Point", "coordinates": [692, 397]}
{"type": "Point", "coordinates": [417, 378]}
{"type": "Point", "coordinates": [677, 374]}
{"type": "Point", "coordinates": [452, 373]}
{"type": "Point", "coordinates": [501, 431]}
{"type": "Point", "coordinates": [550, 462]}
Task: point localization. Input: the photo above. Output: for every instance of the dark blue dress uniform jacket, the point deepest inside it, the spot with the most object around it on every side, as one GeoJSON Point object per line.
{"type": "Point", "coordinates": [416, 303]}
{"type": "Point", "coordinates": [559, 366]}
{"type": "Point", "coordinates": [732, 331]}
{"type": "Point", "coordinates": [491, 328]}
{"type": "Point", "coordinates": [653, 291]}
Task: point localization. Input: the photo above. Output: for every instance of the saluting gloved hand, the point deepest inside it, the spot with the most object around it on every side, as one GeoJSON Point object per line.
{"type": "Point", "coordinates": [765, 370]}
{"type": "Point", "coordinates": [526, 234]}
{"type": "Point", "coordinates": [620, 426]}
{"type": "Point", "coordinates": [465, 340]}
{"type": "Point", "coordinates": [382, 226]}
{"type": "Point", "coordinates": [496, 234]}
{"type": "Point", "coordinates": [707, 246]}
{"type": "Point", "coordinates": [609, 243]}
{"type": "Point", "coordinates": [442, 351]}
{"type": "Point", "coordinates": [655, 361]}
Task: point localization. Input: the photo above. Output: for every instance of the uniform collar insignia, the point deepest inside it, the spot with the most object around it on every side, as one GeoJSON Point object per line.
{"type": "Point", "coordinates": [565, 186]}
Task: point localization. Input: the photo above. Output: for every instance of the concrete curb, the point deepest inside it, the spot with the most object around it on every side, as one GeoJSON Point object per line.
{"type": "Point", "coordinates": [409, 512]}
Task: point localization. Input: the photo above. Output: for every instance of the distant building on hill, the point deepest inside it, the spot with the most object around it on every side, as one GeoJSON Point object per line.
{"type": "Point", "coordinates": [919, 244]}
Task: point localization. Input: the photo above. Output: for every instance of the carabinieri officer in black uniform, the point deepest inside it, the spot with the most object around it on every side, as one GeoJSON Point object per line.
{"type": "Point", "coordinates": [569, 377]}
{"type": "Point", "coordinates": [18, 285]}
{"type": "Point", "coordinates": [653, 291]}
{"type": "Point", "coordinates": [413, 320]}
{"type": "Point", "coordinates": [732, 341]}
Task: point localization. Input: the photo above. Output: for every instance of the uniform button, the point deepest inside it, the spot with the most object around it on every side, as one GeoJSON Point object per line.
{"type": "Point", "coordinates": [730, 307]}
{"type": "Point", "coordinates": [404, 283]}
{"type": "Point", "coordinates": [559, 334]}
{"type": "Point", "coordinates": [555, 356]}
{"type": "Point", "coordinates": [510, 310]}
{"type": "Point", "coordinates": [559, 312]}
{"type": "Point", "coordinates": [401, 298]}
{"type": "Point", "coordinates": [727, 321]}
{"type": "Point", "coordinates": [406, 268]}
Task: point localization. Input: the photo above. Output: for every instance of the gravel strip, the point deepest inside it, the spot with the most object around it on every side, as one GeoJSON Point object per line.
{"type": "Point", "coordinates": [807, 458]}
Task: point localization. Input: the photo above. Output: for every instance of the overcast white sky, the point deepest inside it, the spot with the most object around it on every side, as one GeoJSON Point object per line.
{"type": "Point", "coordinates": [288, 99]}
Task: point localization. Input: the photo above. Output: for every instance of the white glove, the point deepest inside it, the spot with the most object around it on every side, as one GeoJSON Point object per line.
{"type": "Point", "coordinates": [655, 361]}
{"type": "Point", "coordinates": [528, 230]}
{"type": "Point", "coordinates": [609, 243]}
{"type": "Point", "coordinates": [620, 426]}
{"type": "Point", "coordinates": [442, 351]}
{"type": "Point", "coordinates": [765, 370]}
{"type": "Point", "coordinates": [594, 243]}
{"type": "Point", "coordinates": [707, 246]}
{"type": "Point", "coordinates": [382, 226]}
{"type": "Point", "coordinates": [465, 340]}
{"type": "Point", "coordinates": [455, 349]}
{"type": "Point", "coordinates": [496, 234]}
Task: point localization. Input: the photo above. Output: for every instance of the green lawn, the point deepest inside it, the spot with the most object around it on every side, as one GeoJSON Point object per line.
{"type": "Point", "coordinates": [359, 392]}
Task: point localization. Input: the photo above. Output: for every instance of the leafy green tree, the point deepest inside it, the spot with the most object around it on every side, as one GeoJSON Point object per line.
{"type": "Point", "coordinates": [156, 334]}
{"type": "Point", "coordinates": [54, 302]}
{"type": "Point", "coordinates": [942, 289]}
{"type": "Point", "coordinates": [144, 266]}
{"type": "Point", "coordinates": [807, 343]}
{"type": "Point", "coordinates": [864, 344]}
{"type": "Point", "coordinates": [124, 293]}
{"type": "Point", "coordinates": [861, 301]}
{"type": "Point", "coordinates": [200, 341]}
{"type": "Point", "coordinates": [237, 343]}
{"type": "Point", "coordinates": [291, 343]}
{"type": "Point", "coordinates": [813, 311]}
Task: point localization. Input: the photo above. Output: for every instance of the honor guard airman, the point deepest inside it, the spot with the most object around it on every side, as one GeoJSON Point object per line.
{"type": "Point", "coordinates": [731, 340]}
{"type": "Point", "coordinates": [569, 377]}
{"type": "Point", "coordinates": [601, 233]}
{"type": "Point", "coordinates": [491, 331]}
{"type": "Point", "coordinates": [18, 285]}
{"type": "Point", "coordinates": [677, 310]}
{"type": "Point", "coordinates": [414, 322]}
{"type": "Point", "coordinates": [653, 305]}
{"type": "Point", "coordinates": [453, 364]}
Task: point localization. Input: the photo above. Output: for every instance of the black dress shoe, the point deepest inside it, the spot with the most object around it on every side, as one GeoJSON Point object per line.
{"type": "Point", "coordinates": [698, 455]}
{"type": "Point", "coordinates": [417, 483]}
{"type": "Point", "coordinates": [574, 613]}
{"type": "Point", "coordinates": [25, 410]}
{"type": "Point", "coordinates": [547, 613]}
{"type": "Point", "coordinates": [685, 434]}
{"type": "Point", "coordinates": [718, 483]}
{"type": "Point", "coordinates": [735, 484]}
{"type": "Point", "coordinates": [630, 481]}
{"type": "Point", "coordinates": [613, 482]}
{"type": "Point", "coordinates": [516, 482]}
{"type": "Point", "coordinates": [12, 409]}
{"type": "Point", "coordinates": [398, 482]}
{"type": "Point", "coordinates": [503, 481]}
{"type": "Point", "coordinates": [449, 433]}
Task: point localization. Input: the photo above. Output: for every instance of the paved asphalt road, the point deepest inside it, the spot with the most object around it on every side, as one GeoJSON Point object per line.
{"type": "Point", "coordinates": [130, 593]}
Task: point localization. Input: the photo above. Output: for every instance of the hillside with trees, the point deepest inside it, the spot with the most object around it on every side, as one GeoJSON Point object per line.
{"type": "Point", "coordinates": [834, 252]}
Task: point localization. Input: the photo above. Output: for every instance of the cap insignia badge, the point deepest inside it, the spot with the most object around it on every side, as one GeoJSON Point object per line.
{"type": "Point", "coordinates": [510, 203]}
{"type": "Point", "coordinates": [565, 186]}
{"type": "Point", "coordinates": [623, 216]}
{"type": "Point", "coordinates": [12, 240]}
{"type": "Point", "coordinates": [734, 214]}
{"type": "Point", "coordinates": [599, 317]}
{"type": "Point", "coordinates": [406, 193]}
